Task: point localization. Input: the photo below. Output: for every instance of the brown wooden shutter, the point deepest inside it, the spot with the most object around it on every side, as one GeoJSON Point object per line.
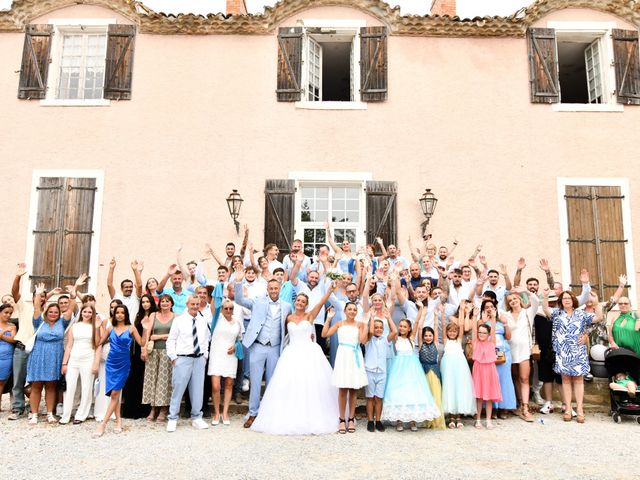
{"type": "Point", "coordinates": [119, 62]}
{"type": "Point", "coordinates": [596, 236]}
{"type": "Point", "coordinates": [279, 214]}
{"type": "Point", "coordinates": [78, 228]}
{"type": "Point", "coordinates": [543, 65]}
{"type": "Point", "coordinates": [63, 233]}
{"type": "Point", "coordinates": [35, 62]}
{"type": "Point", "coordinates": [373, 64]}
{"type": "Point", "coordinates": [627, 64]}
{"type": "Point", "coordinates": [382, 211]}
{"type": "Point", "coordinates": [289, 64]}
{"type": "Point", "coordinates": [47, 233]}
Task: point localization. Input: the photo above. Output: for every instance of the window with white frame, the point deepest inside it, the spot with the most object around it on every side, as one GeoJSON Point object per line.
{"type": "Point", "coordinates": [81, 64]}
{"type": "Point", "coordinates": [584, 62]}
{"type": "Point", "coordinates": [341, 204]}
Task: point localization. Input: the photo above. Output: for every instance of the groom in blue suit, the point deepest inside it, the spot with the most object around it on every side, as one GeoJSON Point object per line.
{"type": "Point", "coordinates": [264, 337]}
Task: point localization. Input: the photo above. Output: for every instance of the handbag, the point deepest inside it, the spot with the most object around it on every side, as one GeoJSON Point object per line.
{"type": "Point", "coordinates": [535, 348]}
{"type": "Point", "coordinates": [31, 342]}
{"type": "Point", "coordinates": [500, 357]}
{"type": "Point", "coordinates": [239, 351]}
{"type": "Point", "coordinates": [151, 343]}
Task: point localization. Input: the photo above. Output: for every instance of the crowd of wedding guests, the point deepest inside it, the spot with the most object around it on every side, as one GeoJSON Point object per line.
{"type": "Point", "coordinates": [431, 337]}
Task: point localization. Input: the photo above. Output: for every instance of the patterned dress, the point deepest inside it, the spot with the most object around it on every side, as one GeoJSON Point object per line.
{"type": "Point", "coordinates": [571, 357]}
{"type": "Point", "coordinates": [157, 373]}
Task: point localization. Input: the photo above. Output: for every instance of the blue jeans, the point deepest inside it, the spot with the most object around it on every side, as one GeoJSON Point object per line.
{"type": "Point", "coordinates": [187, 372]}
{"type": "Point", "coordinates": [20, 358]}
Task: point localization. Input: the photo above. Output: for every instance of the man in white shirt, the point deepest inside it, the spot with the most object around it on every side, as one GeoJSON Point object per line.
{"type": "Point", "coordinates": [187, 347]}
{"type": "Point", "coordinates": [271, 252]}
{"type": "Point", "coordinates": [394, 259]}
{"type": "Point", "coordinates": [128, 298]}
{"type": "Point", "coordinates": [458, 290]}
{"type": "Point", "coordinates": [290, 260]}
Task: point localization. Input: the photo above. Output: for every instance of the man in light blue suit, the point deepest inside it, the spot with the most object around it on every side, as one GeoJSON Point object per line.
{"type": "Point", "coordinates": [264, 336]}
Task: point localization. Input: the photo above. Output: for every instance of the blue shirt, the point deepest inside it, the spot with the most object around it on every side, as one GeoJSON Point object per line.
{"type": "Point", "coordinates": [179, 299]}
{"type": "Point", "coordinates": [375, 356]}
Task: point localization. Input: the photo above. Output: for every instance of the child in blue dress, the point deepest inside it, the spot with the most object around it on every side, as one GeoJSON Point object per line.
{"type": "Point", "coordinates": [407, 397]}
{"type": "Point", "coordinates": [458, 397]}
{"type": "Point", "coordinates": [375, 364]}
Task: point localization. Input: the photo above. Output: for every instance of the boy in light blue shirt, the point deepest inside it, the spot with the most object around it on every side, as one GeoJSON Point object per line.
{"type": "Point", "coordinates": [375, 363]}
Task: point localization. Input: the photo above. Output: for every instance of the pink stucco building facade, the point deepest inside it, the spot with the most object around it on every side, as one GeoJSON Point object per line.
{"type": "Point", "coordinates": [203, 117]}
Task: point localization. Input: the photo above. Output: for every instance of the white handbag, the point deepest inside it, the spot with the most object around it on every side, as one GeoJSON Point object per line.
{"type": "Point", "coordinates": [28, 347]}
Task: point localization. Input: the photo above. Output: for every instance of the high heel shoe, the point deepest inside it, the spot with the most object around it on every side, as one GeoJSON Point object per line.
{"type": "Point", "coordinates": [342, 426]}
{"type": "Point", "coordinates": [352, 429]}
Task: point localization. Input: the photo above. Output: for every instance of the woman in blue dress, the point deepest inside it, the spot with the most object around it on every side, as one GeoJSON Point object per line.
{"type": "Point", "coordinates": [572, 361]}
{"type": "Point", "coordinates": [503, 333]}
{"type": "Point", "coordinates": [7, 340]}
{"type": "Point", "coordinates": [120, 335]}
{"type": "Point", "coordinates": [44, 366]}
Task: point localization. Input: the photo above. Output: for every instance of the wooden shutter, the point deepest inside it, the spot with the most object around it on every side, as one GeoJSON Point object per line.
{"type": "Point", "coordinates": [373, 64]}
{"type": "Point", "coordinates": [78, 228]}
{"type": "Point", "coordinates": [382, 211]}
{"type": "Point", "coordinates": [63, 233]}
{"type": "Point", "coordinates": [35, 62]}
{"type": "Point", "coordinates": [596, 236]}
{"type": "Point", "coordinates": [47, 233]}
{"type": "Point", "coordinates": [279, 214]}
{"type": "Point", "coordinates": [627, 64]}
{"type": "Point", "coordinates": [543, 65]}
{"type": "Point", "coordinates": [289, 64]}
{"type": "Point", "coordinates": [119, 62]}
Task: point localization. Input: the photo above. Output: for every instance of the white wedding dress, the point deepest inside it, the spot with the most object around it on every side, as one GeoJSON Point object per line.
{"type": "Point", "coordinates": [300, 398]}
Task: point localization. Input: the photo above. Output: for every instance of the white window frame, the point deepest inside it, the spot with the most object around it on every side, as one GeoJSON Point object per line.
{"type": "Point", "coordinates": [348, 27]}
{"type": "Point", "coordinates": [332, 179]}
{"type": "Point", "coordinates": [595, 29]}
{"type": "Point", "coordinates": [60, 27]}
{"type": "Point", "coordinates": [565, 256]}
{"type": "Point", "coordinates": [97, 217]}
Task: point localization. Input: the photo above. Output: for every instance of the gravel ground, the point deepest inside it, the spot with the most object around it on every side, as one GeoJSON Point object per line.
{"type": "Point", "coordinates": [514, 449]}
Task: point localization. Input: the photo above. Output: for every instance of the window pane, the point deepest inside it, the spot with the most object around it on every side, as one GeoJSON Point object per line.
{"type": "Point", "coordinates": [308, 235]}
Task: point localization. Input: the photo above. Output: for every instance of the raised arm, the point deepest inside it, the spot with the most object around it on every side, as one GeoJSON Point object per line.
{"type": "Point", "coordinates": [545, 302]}
{"type": "Point", "coordinates": [37, 305]}
{"type": "Point", "coordinates": [622, 283]}
{"type": "Point", "coordinates": [138, 267]}
{"type": "Point", "coordinates": [240, 299]}
{"type": "Point", "coordinates": [412, 250]}
{"type": "Point", "coordinates": [328, 329]}
{"type": "Point", "coordinates": [544, 266]}
{"type": "Point", "coordinates": [15, 286]}
{"type": "Point", "coordinates": [245, 240]}
{"type": "Point", "coordinates": [383, 251]}
{"type": "Point", "coordinates": [520, 265]}
{"type": "Point", "coordinates": [599, 315]}
{"type": "Point", "coordinates": [505, 274]}
{"type": "Point", "coordinates": [180, 262]}
{"type": "Point", "coordinates": [313, 313]}
{"type": "Point", "coordinates": [173, 268]}
{"type": "Point", "coordinates": [112, 267]}
{"type": "Point", "coordinates": [210, 251]}
{"type": "Point", "coordinates": [338, 250]}
{"type": "Point", "coordinates": [586, 287]}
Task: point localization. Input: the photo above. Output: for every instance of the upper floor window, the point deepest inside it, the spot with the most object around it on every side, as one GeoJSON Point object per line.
{"type": "Point", "coordinates": [77, 62]}
{"type": "Point", "coordinates": [584, 66]}
{"type": "Point", "coordinates": [332, 65]}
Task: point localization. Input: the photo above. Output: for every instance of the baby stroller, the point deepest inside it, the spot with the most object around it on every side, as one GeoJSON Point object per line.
{"type": "Point", "coordinates": [618, 361]}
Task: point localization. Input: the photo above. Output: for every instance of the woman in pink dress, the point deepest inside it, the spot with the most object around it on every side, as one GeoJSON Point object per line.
{"type": "Point", "coordinates": [486, 382]}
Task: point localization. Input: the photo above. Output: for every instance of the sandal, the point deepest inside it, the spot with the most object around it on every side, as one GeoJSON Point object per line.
{"type": "Point", "coordinates": [580, 418]}
{"type": "Point", "coordinates": [51, 419]}
{"type": "Point", "coordinates": [77, 422]}
{"type": "Point", "coordinates": [399, 426]}
{"type": "Point", "coordinates": [525, 414]}
{"type": "Point", "coordinates": [478, 424]}
{"type": "Point", "coordinates": [342, 429]}
{"type": "Point", "coordinates": [566, 416]}
{"type": "Point", "coordinates": [452, 423]}
{"type": "Point", "coordinates": [118, 428]}
{"type": "Point", "coordinates": [99, 431]}
{"type": "Point", "coordinates": [489, 425]}
{"type": "Point", "coordinates": [414, 427]}
{"type": "Point", "coordinates": [459, 424]}
{"type": "Point", "coordinates": [351, 429]}
{"type": "Point", "coordinates": [33, 419]}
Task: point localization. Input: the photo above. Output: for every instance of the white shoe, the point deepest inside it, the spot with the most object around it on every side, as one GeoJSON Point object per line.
{"type": "Point", "coordinates": [538, 398]}
{"type": "Point", "coordinates": [33, 419]}
{"type": "Point", "coordinates": [547, 408]}
{"type": "Point", "coordinates": [171, 425]}
{"type": "Point", "coordinates": [245, 385]}
{"type": "Point", "coordinates": [59, 410]}
{"type": "Point", "coordinates": [199, 423]}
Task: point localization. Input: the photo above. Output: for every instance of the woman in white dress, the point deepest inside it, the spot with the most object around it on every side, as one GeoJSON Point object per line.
{"type": "Point", "coordinates": [223, 362]}
{"type": "Point", "coordinates": [521, 322]}
{"type": "Point", "coordinates": [81, 359]}
{"type": "Point", "coordinates": [349, 374]}
{"type": "Point", "coordinates": [300, 398]}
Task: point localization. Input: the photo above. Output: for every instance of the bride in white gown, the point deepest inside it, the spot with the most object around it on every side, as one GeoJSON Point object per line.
{"type": "Point", "coordinates": [300, 398]}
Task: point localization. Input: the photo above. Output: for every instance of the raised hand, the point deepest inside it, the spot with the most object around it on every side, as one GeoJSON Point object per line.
{"type": "Point", "coordinates": [112, 263]}
{"type": "Point", "coordinates": [179, 249]}
{"type": "Point", "coordinates": [22, 269]}
{"type": "Point", "coordinates": [483, 260]}
{"type": "Point", "coordinates": [545, 292]}
{"type": "Point", "coordinates": [239, 271]}
{"type": "Point", "coordinates": [55, 291]}
{"type": "Point", "coordinates": [40, 288]}
{"type": "Point", "coordinates": [503, 270]}
{"type": "Point", "coordinates": [140, 266]}
{"type": "Point", "coordinates": [544, 264]}
{"type": "Point", "coordinates": [173, 268]}
{"type": "Point", "coordinates": [521, 263]}
{"type": "Point", "coordinates": [330, 314]}
{"type": "Point", "coordinates": [208, 250]}
{"type": "Point", "coordinates": [622, 280]}
{"type": "Point", "coordinates": [81, 280]}
{"type": "Point", "coordinates": [584, 276]}
{"type": "Point", "coordinates": [472, 262]}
